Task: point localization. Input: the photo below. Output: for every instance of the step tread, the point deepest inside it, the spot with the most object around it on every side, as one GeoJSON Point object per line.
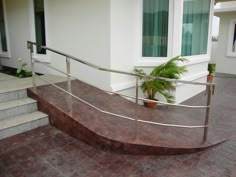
{"type": "Point", "coordinates": [13, 95]}
{"type": "Point", "coordinates": [24, 83]}
{"type": "Point", "coordinates": [21, 119]}
{"type": "Point", "coordinates": [15, 103]}
{"type": "Point", "coordinates": [6, 77]}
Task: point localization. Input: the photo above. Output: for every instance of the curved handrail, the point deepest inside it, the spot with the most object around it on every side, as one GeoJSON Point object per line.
{"type": "Point", "coordinates": [118, 71]}
{"type": "Point", "coordinates": [210, 87]}
{"type": "Point", "coordinates": [122, 116]}
{"type": "Point", "coordinates": [127, 96]}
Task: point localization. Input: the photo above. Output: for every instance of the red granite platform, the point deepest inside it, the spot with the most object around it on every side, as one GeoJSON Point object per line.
{"type": "Point", "coordinates": [118, 135]}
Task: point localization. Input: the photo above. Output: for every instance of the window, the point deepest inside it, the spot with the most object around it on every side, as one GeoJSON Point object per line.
{"type": "Point", "coordinates": [231, 47]}
{"type": "Point", "coordinates": [40, 25]}
{"type": "Point", "coordinates": [195, 27]}
{"type": "Point", "coordinates": [155, 28]}
{"type": "Point", "coordinates": [3, 37]}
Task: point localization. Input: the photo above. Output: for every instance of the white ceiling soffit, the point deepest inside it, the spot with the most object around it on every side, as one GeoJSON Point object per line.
{"type": "Point", "coordinates": [229, 6]}
{"type": "Point", "coordinates": [222, 0]}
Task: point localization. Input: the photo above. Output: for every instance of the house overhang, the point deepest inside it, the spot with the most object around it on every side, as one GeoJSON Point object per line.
{"type": "Point", "coordinates": [224, 7]}
{"type": "Point", "coordinates": [216, 1]}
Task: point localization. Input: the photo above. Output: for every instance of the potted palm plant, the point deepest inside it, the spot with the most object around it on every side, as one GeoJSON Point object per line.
{"type": "Point", "coordinates": [151, 86]}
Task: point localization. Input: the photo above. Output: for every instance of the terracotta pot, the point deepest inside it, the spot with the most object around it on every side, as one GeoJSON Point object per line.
{"type": "Point", "coordinates": [149, 104]}
{"type": "Point", "coordinates": [210, 78]}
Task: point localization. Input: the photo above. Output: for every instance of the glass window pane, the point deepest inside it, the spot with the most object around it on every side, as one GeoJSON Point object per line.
{"type": "Point", "coordinates": [40, 25]}
{"type": "Point", "coordinates": [195, 27]}
{"type": "Point", "coordinates": [3, 29]}
{"type": "Point", "coordinates": [155, 28]}
{"type": "Point", "coordinates": [234, 39]}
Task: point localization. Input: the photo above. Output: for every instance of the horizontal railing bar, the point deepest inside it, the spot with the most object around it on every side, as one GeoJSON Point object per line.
{"type": "Point", "coordinates": [117, 115]}
{"type": "Point", "coordinates": [128, 96]}
{"type": "Point", "coordinates": [89, 64]}
{"type": "Point", "coordinates": [118, 71]}
{"type": "Point", "coordinates": [160, 102]}
{"type": "Point", "coordinates": [172, 125]}
{"type": "Point", "coordinates": [42, 63]}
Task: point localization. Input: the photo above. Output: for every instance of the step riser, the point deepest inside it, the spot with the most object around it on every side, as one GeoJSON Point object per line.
{"type": "Point", "coordinates": [12, 112]}
{"type": "Point", "coordinates": [23, 128]}
{"type": "Point", "coordinates": [15, 95]}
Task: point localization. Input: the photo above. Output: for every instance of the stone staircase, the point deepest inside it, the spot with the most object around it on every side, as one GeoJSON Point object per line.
{"type": "Point", "coordinates": [19, 113]}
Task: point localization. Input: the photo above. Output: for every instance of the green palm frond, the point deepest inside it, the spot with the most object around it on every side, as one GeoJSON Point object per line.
{"type": "Point", "coordinates": [169, 97]}
{"type": "Point", "coordinates": [139, 71]}
{"type": "Point", "coordinates": [170, 70]}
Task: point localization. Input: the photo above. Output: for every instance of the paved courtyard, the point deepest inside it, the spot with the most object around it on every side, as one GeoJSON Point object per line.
{"type": "Point", "coordinates": [48, 152]}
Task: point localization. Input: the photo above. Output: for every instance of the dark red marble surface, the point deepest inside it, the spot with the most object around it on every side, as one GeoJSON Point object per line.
{"type": "Point", "coordinates": [123, 136]}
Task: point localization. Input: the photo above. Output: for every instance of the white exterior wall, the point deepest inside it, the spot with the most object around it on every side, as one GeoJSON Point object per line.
{"type": "Point", "coordinates": [106, 33]}
{"type": "Point", "coordinates": [17, 22]}
{"type": "Point", "coordinates": [214, 53]}
{"type": "Point", "coordinates": [126, 36]}
{"type": "Point", "coordinates": [81, 28]}
{"type": "Point", "coordinates": [77, 27]}
{"type": "Point", "coordinates": [224, 64]}
{"type": "Point", "coordinates": [123, 39]}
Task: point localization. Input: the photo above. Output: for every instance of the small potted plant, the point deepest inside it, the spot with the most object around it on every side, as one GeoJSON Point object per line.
{"type": "Point", "coordinates": [211, 70]}
{"type": "Point", "coordinates": [151, 87]}
{"type": "Point", "coordinates": [21, 72]}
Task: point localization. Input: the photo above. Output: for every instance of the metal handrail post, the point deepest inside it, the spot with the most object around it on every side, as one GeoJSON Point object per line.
{"type": "Point", "coordinates": [68, 73]}
{"type": "Point", "coordinates": [137, 86]}
{"type": "Point", "coordinates": [68, 70]}
{"type": "Point", "coordinates": [209, 93]}
{"type": "Point", "coordinates": [30, 47]}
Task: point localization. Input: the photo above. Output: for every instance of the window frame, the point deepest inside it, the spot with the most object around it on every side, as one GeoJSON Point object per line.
{"type": "Point", "coordinates": [151, 61]}
{"type": "Point", "coordinates": [42, 57]}
{"type": "Point", "coordinates": [4, 54]}
{"type": "Point", "coordinates": [206, 56]}
{"type": "Point", "coordinates": [230, 53]}
{"type": "Point", "coordinates": [176, 14]}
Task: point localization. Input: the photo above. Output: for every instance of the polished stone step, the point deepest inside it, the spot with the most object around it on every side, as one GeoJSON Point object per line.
{"type": "Point", "coordinates": [17, 107]}
{"type": "Point", "coordinates": [18, 113]}
{"type": "Point", "coordinates": [24, 83]}
{"type": "Point", "coordinates": [13, 95]}
{"type": "Point", "coordinates": [6, 77]}
{"type": "Point", "coordinates": [22, 123]}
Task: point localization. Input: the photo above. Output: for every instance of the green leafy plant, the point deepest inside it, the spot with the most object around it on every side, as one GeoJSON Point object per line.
{"type": "Point", "coordinates": [211, 68]}
{"type": "Point", "coordinates": [21, 71]}
{"type": "Point", "coordinates": [170, 70]}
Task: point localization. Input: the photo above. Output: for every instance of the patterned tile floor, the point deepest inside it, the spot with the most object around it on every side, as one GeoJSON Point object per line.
{"type": "Point", "coordinates": [48, 152]}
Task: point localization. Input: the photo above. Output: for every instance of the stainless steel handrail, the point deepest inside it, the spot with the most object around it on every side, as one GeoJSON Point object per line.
{"type": "Point", "coordinates": [118, 115]}
{"type": "Point", "coordinates": [118, 71]}
{"type": "Point", "coordinates": [127, 96]}
{"type": "Point", "coordinates": [123, 72]}
{"type": "Point", "coordinates": [210, 87]}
